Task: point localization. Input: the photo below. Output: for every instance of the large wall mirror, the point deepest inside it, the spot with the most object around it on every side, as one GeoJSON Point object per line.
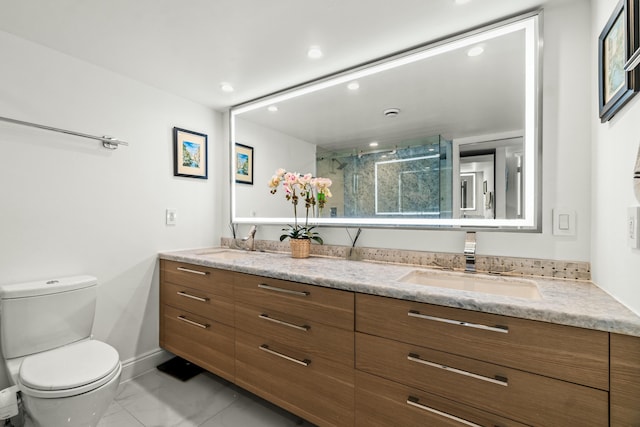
{"type": "Point", "coordinates": [444, 135]}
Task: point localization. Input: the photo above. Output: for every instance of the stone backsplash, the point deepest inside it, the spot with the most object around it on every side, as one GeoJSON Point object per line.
{"type": "Point", "coordinates": [508, 266]}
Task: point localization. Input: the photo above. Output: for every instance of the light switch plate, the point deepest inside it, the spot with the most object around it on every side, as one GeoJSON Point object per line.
{"type": "Point", "coordinates": [564, 222]}
{"type": "Point", "coordinates": [171, 216]}
{"type": "Point", "coordinates": [633, 227]}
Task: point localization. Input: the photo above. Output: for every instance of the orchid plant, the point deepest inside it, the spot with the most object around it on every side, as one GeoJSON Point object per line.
{"type": "Point", "coordinates": [313, 191]}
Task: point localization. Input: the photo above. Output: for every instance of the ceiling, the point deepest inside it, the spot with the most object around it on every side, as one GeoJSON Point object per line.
{"type": "Point", "coordinates": [449, 94]}
{"type": "Point", "coordinates": [190, 47]}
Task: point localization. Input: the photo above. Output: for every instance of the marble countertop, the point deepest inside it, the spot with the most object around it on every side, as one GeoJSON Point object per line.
{"type": "Point", "coordinates": [565, 302]}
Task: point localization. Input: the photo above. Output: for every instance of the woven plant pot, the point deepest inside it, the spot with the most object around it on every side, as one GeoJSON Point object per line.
{"type": "Point", "coordinates": [300, 248]}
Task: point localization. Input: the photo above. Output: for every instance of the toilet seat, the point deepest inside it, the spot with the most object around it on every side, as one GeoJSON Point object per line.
{"type": "Point", "coordinates": [70, 370]}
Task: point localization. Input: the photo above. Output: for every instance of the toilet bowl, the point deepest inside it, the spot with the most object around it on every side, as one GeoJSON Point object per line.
{"type": "Point", "coordinates": [71, 385]}
{"type": "Point", "coordinates": [64, 377]}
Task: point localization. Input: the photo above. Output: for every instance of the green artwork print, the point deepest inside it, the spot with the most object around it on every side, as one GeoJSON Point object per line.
{"type": "Point", "coordinates": [190, 154]}
{"type": "Point", "coordinates": [242, 164]}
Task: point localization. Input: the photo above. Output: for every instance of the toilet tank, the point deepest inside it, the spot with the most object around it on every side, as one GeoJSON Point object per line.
{"type": "Point", "coordinates": [42, 315]}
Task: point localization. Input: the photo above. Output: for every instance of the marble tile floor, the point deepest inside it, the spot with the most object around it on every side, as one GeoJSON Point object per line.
{"type": "Point", "coordinates": [156, 399]}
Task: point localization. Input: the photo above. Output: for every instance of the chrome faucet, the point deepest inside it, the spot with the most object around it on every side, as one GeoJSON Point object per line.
{"type": "Point", "coordinates": [249, 241]}
{"type": "Point", "coordinates": [470, 252]}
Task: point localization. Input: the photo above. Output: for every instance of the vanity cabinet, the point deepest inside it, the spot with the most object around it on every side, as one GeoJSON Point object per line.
{"type": "Point", "coordinates": [625, 380]}
{"type": "Point", "coordinates": [295, 347]}
{"type": "Point", "coordinates": [339, 358]}
{"type": "Point", "coordinates": [197, 316]}
{"type": "Point", "coordinates": [529, 372]}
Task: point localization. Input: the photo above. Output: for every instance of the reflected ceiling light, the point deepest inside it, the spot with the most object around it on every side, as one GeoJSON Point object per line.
{"type": "Point", "coordinates": [272, 108]}
{"type": "Point", "coordinates": [314, 52]}
{"type": "Point", "coordinates": [226, 87]}
{"type": "Point", "coordinates": [353, 86]}
{"type": "Point", "coordinates": [475, 51]}
{"type": "Point", "coordinates": [391, 112]}
{"type": "Point", "coordinates": [373, 144]}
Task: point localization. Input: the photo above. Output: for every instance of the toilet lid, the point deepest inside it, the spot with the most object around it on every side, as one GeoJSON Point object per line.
{"type": "Point", "coordinates": [71, 369]}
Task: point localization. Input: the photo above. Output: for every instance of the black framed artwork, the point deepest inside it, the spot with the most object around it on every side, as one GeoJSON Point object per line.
{"type": "Point", "coordinates": [616, 44]}
{"type": "Point", "coordinates": [189, 154]}
{"type": "Point", "coordinates": [244, 164]}
{"type": "Point", "coordinates": [634, 35]}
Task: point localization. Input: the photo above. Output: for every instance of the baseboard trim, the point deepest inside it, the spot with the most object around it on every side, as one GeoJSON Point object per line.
{"type": "Point", "coordinates": [142, 363]}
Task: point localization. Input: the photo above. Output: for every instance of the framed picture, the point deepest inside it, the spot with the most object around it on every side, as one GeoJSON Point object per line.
{"type": "Point", "coordinates": [634, 35]}
{"type": "Point", "coordinates": [615, 44]}
{"type": "Point", "coordinates": [244, 164]}
{"type": "Point", "coordinates": [189, 154]}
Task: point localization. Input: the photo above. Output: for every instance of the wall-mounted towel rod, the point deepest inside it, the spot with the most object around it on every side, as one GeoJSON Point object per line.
{"type": "Point", "coordinates": [107, 141]}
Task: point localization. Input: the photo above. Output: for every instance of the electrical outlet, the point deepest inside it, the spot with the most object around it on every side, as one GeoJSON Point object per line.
{"type": "Point", "coordinates": [171, 216]}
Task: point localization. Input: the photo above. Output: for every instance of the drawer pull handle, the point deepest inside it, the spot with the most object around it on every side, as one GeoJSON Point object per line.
{"type": "Point", "coordinates": [497, 380]}
{"type": "Point", "coordinates": [497, 328]}
{"type": "Point", "coordinates": [305, 362]}
{"type": "Point", "coordinates": [188, 270]}
{"type": "Point", "coordinates": [282, 322]}
{"type": "Point", "coordinates": [414, 401]}
{"type": "Point", "coordinates": [191, 322]}
{"type": "Point", "coordinates": [184, 294]}
{"type": "Point", "coordinates": [284, 291]}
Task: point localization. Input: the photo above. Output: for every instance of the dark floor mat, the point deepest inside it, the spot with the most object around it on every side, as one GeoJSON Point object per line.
{"type": "Point", "coordinates": [180, 368]}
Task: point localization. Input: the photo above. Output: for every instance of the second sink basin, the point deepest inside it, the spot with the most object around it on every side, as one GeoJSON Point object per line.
{"type": "Point", "coordinates": [222, 253]}
{"type": "Point", "coordinates": [509, 287]}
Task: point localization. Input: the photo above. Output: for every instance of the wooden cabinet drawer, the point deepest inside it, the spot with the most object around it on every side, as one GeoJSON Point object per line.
{"type": "Point", "coordinates": [319, 390]}
{"type": "Point", "coordinates": [514, 394]}
{"type": "Point", "coordinates": [312, 338]}
{"type": "Point", "coordinates": [199, 302]}
{"type": "Point", "coordinates": [625, 380]}
{"type": "Point", "coordinates": [384, 403]}
{"type": "Point", "coordinates": [200, 340]}
{"type": "Point", "coordinates": [211, 280]}
{"type": "Point", "coordinates": [572, 354]}
{"type": "Point", "coordinates": [315, 303]}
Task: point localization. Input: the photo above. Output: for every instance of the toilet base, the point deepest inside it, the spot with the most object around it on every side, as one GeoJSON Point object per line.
{"type": "Point", "coordinates": [84, 410]}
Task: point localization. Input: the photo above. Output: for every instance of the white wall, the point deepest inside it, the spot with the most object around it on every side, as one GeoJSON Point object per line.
{"type": "Point", "coordinates": [566, 156]}
{"type": "Point", "coordinates": [614, 148]}
{"type": "Point", "coordinates": [68, 206]}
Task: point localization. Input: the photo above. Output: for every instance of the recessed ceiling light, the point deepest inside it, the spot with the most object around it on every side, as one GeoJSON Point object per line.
{"type": "Point", "coordinates": [353, 86]}
{"type": "Point", "coordinates": [314, 52]}
{"type": "Point", "coordinates": [391, 112]}
{"type": "Point", "coordinates": [462, 1]}
{"type": "Point", "coordinates": [475, 51]}
{"type": "Point", "coordinates": [373, 144]}
{"type": "Point", "coordinates": [226, 87]}
{"type": "Point", "coordinates": [272, 108]}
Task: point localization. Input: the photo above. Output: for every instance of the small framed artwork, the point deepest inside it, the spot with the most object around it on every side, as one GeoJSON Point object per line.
{"type": "Point", "coordinates": [615, 44]}
{"type": "Point", "coordinates": [244, 164]}
{"type": "Point", "coordinates": [189, 154]}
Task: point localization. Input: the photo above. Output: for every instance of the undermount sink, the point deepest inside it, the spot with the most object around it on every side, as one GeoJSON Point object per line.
{"type": "Point", "coordinates": [504, 286]}
{"type": "Point", "coordinates": [223, 253]}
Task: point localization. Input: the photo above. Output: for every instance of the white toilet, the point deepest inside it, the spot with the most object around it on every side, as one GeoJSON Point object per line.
{"type": "Point", "coordinates": [65, 378]}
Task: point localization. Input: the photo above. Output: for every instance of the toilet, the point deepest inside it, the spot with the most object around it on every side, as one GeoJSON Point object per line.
{"type": "Point", "coordinates": [65, 378]}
